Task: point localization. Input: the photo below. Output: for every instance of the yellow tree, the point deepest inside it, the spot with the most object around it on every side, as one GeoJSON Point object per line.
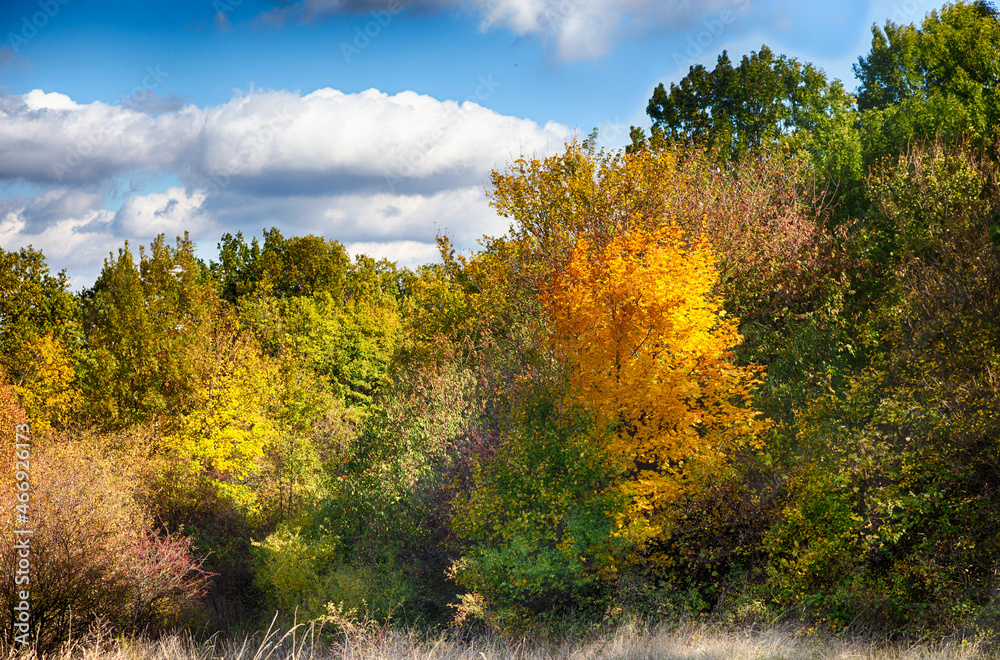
{"type": "Point", "coordinates": [648, 351]}
{"type": "Point", "coordinates": [222, 440]}
{"type": "Point", "coordinates": [47, 388]}
{"type": "Point", "coordinates": [631, 299]}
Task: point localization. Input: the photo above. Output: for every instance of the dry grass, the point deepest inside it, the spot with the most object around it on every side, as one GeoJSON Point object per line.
{"type": "Point", "coordinates": [627, 642]}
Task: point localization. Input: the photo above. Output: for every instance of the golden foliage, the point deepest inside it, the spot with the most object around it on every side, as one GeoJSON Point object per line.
{"type": "Point", "coordinates": [48, 391]}
{"type": "Point", "coordinates": [631, 307]}
{"type": "Point", "coordinates": [224, 437]}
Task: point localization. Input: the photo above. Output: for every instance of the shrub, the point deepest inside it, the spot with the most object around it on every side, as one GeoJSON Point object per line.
{"type": "Point", "coordinates": [93, 554]}
{"type": "Point", "coordinates": [542, 528]}
{"type": "Point", "coordinates": [377, 543]}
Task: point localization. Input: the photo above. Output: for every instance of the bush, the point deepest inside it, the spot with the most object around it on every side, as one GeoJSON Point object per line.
{"type": "Point", "coordinates": [542, 528]}
{"type": "Point", "coordinates": [94, 556]}
{"type": "Point", "coordinates": [377, 543]}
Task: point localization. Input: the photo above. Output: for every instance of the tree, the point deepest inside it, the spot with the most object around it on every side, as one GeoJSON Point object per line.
{"type": "Point", "coordinates": [630, 300]}
{"type": "Point", "coordinates": [32, 303]}
{"type": "Point", "coordinates": [295, 266]}
{"type": "Point", "coordinates": [735, 110]}
{"type": "Point", "coordinates": [40, 336]}
{"type": "Point", "coordinates": [649, 352]}
{"type": "Point", "coordinates": [543, 525]}
{"type": "Point", "coordinates": [222, 439]}
{"type": "Point", "coordinates": [95, 555]}
{"type": "Point", "coordinates": [148, 327]}
{"type": "Point", "coordinates": [378, 540]}
{"type": "Point", "coordinates": [350, 345]}
{"type": "Point", "coordinates": [891, 515]}
{"type": "Point", "coordinates": [939, 79]}
{"type": "Point", "coordinates": [438, 305]}
{"type": "Point", "coordinates": [48, 384]}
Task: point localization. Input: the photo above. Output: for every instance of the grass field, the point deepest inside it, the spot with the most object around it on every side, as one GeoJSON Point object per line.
{"type": "Point", "coordinates": [630, 642]}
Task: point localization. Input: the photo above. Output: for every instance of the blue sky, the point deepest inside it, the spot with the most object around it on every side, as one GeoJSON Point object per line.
{"type": "Point", "coordinates": [372, 122]}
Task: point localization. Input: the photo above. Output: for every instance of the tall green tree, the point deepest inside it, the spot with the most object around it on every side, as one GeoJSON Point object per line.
{"type": "Point", "coordinates": [33, 303]}
{"type": "Point", "coordinates": [938, 79]}
{"type": "Point", "coordinates": [282, 267]}
{"type": "Point", "coordinates": [148, 327]}
{"type": "Point", "coordinates": [764, 100]}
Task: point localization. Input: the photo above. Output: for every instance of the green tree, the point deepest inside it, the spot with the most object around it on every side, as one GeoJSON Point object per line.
{"type": "Point", "coordinates": [938, 79]}
{"type": "Point", "coordinates": [351, 345]}
{"type": "Point", "coordinates": [377, 541]}
{"type": "Point", "coordinates": [148, 328]}
{"type": "Point", "coordinates": [891, 520]}
{"type": "Point", "coordinates": [542, 527]}
{"type": "Point", "coordinates": [283, 267]}
{"type": "Point", "coordinates": [39, 317]}
{"type": "Point", "coordinates": [438, 305]}
{"type": "Point", "coordinates": [734, 110]}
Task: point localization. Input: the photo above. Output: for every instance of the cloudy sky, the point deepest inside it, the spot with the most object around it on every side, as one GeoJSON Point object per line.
{"type": "Point", "coordinates": [372, 122]}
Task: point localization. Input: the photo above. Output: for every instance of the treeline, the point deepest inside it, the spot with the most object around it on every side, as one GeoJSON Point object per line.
{"type": "Point", "coordinates": [746, 368]}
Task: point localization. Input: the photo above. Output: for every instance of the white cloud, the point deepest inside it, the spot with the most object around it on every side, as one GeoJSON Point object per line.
{"type": "Point", "coordinates": [171, 212]}
{"type": "Point", "coordinates": [40, 212]}
{"type": "Point", "coordinates": [272, 142]}
{"type": "Point", "coordinates": [80, 245]}
{"type": "Point", "coordinates": [39, 100]}
{"type": "Point", "coordinates": [586, 29]}
{"type": "Point", "coordinates": [407, 254]}
{"type": "Point", "coordinates": [463, 214]}
{"type": "Point", "coordinates": [48, 138]}
{"type": "Point", "coordinates": [367, 168]}
{"type": "Point", "coordinates": [281, 143]}
{"type": "Point", "coordinates": [11, 227]}
{"type": "Point", "coordinates": [68, 226]}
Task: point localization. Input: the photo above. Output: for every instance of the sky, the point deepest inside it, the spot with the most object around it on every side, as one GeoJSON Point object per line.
{"type": "Point", "coordinates": [375, 123]}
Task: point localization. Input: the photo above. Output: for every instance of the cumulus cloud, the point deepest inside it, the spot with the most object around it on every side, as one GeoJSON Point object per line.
{"type": "Point", "coordinates": [12, 226]}
{"type": "Point", "coordinates": [282, 143]}
{"type": "Point", "coordinates": [36, 99]}
{"type": "Point", "coordinates": [358, 218]}
{"type": "Point", "coordinates": [41, 212]}
{"type": "Point", "coordinates": [171, 212]}
{"type": "Point", "coordinates": [407, 254]}
{"type": "Point", "coordinates": [271, 142]}
{"type": "Point", "coordinates": [68, 226]}
{"type": "Point", "coordinates": [48, 138]}
{"type": "Point", "coordinates": [373, 169]}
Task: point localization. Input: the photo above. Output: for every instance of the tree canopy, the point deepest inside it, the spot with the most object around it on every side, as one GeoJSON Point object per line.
{"type": "Point", "coordinates": [763, 100]}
